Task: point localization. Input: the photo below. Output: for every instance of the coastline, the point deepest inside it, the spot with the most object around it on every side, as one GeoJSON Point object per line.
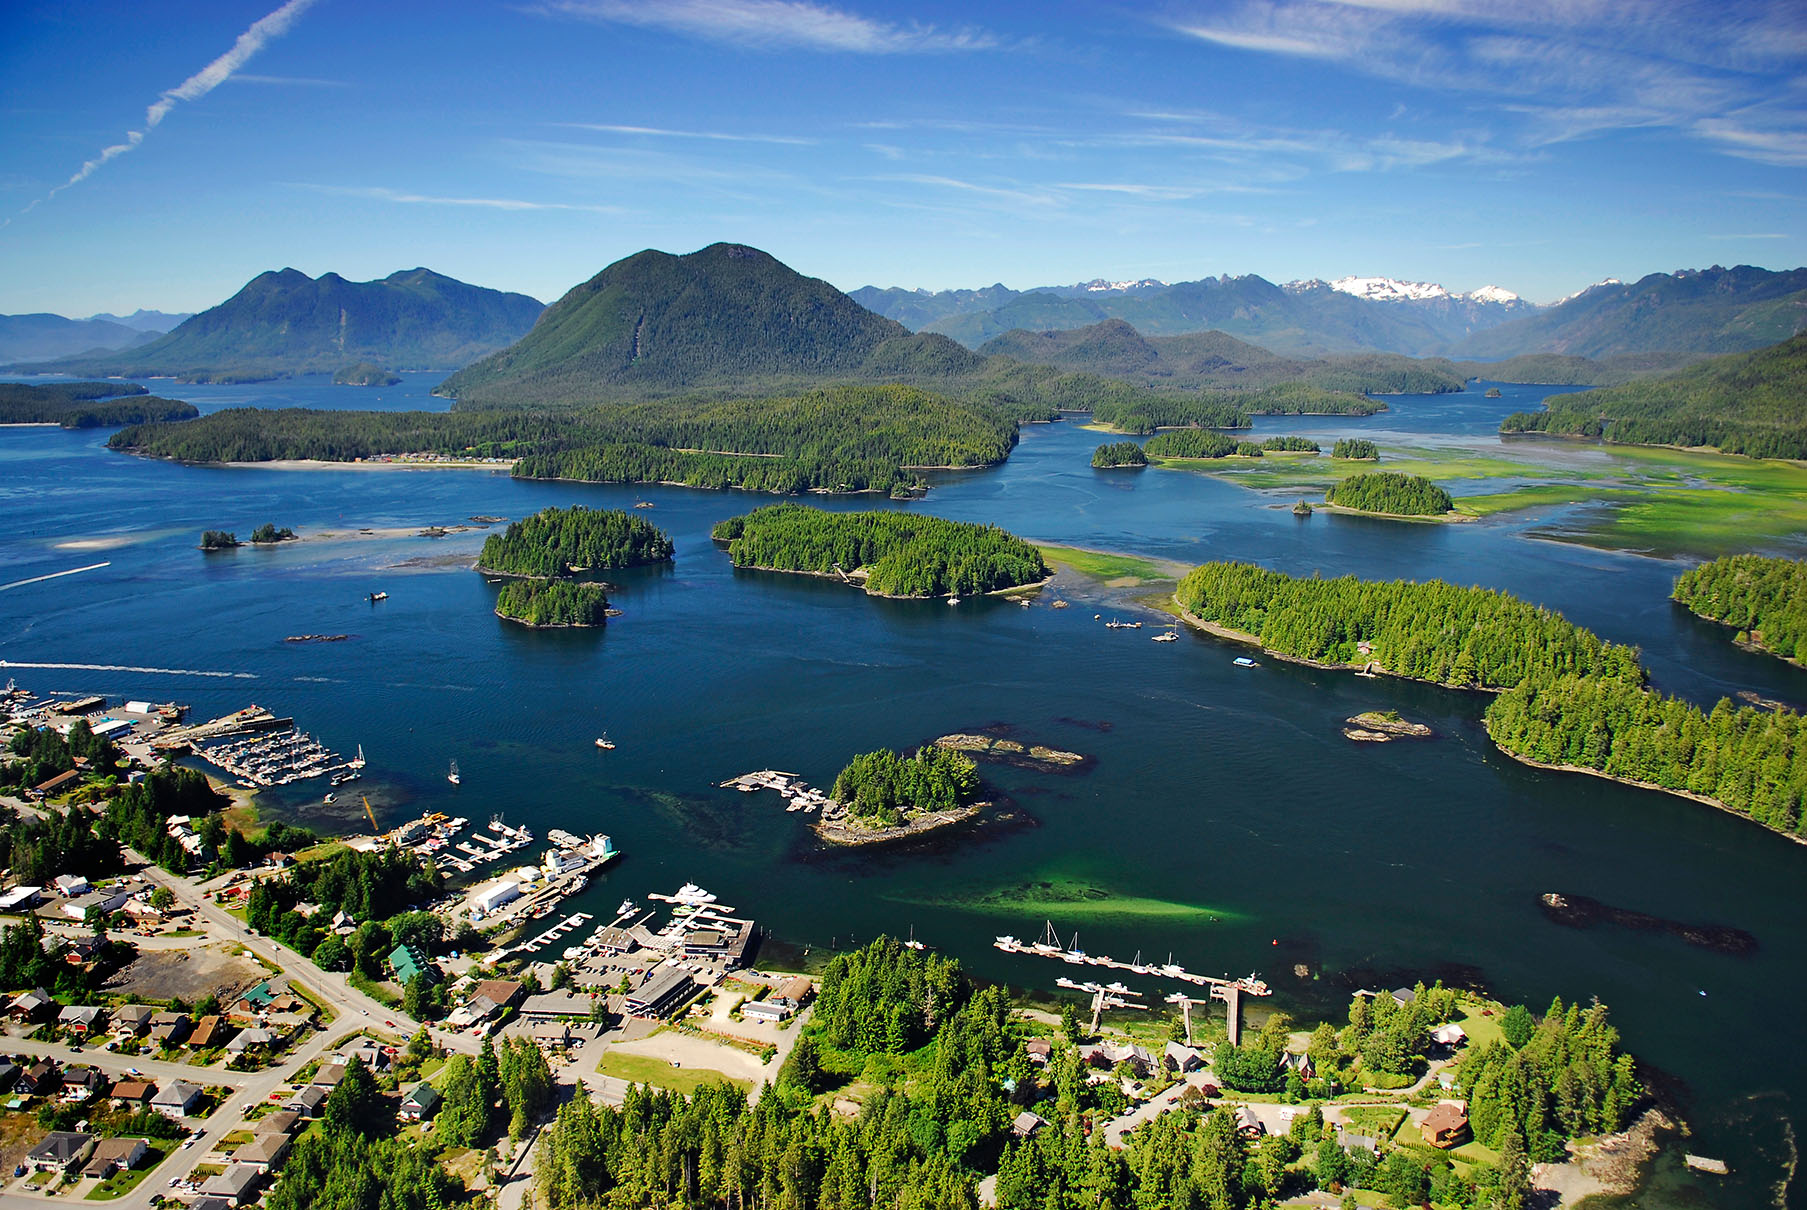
{"type": "Point", "coordinates": [1453, 517]}
{"type": "Point", "coordinates": [364, 464]}
{"type": "Point", "coordinates": [841, 831]}
{"type": "Point", "coordinates": [1249, 640]}
{"type": "Point", "coordinates": [856, 579]}
{"type": "Point", "coordinates": [550, 625]}
{"type": "Point", "coordinates": [1644, 785]}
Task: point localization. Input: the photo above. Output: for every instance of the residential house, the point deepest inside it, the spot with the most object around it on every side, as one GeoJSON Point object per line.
{"type": "Point", "coordinates": [1040, 1050]}
{"type": "Point", "coordinates": [177, 1099]}
{"type": "Point", "coordinates": [40, 1079]}
{"type": "Point", "coordinates": [250, 1041]}
{"type": "Point", "coordinates": [237, 1185]}
{"type": "Point", "coordinates": [170, 1029]}
{"type": "Point", "coordinates": [410, 962]}
{"type": "Point", "coordinates": [1350, 1140]}
{"type": "Point", "coordinates": [134, 1094]}
{"type": "Point", "coordinates": [1247, 1124]}
{"type": "Point", "coordinates": [61, 1151]}
{"type": "Point", "coordinates": [1450, 1035]}
{"type": "Point", "coordinates": [1181, 1058]}
{"type": "Point", "coordinates": [132, 1021]}
{"type": "Point", "coordinates": [85, 1083]}
{"type": "Point", "coordinates": [1403, 996]}
{"type": "Point", "coordinates": [116, 1155]}
{"type": "Point", "coordinates": [210, 1203]}
{"type": "Point", "coordinates": [1446, 1125]}
{"type": "Point", "coordinates": [82, 951]}
{"type": "Point", "coordinates": [82, 1019]}
{"type": "Point", "coordinates": [30, 1006]}
{"type": "Point", "coordinates": [1301, 1063]}
{"type": "Point", "coordinates": [9, 1074]}
{"type": "Point", "coordinates": [1026, 1124]}
{"type": "Point", "coordinates": [421, 1103]}
{"type": "Point", "coordinates": [328, 1076]}
{"type": "Point", "coordinates": [253, 1002]}
{"type": "Point", "coordinates": [265, 1152]}
{"type": "Point", "coordinates": [374, 1058]}
{"type": "Point", "coordinates": [308, 1101]}
{"type": "Point", "coordinates": [210, 1031]}
{"type": "Point", "coordinates": [283, 1121]}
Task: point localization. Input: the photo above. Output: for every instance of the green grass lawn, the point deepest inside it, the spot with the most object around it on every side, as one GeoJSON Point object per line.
{"type": "Point", "coordinates": [642, 1069]}
{"type": "Point", "coordinates": [122, 1183]}
{"type": "Point", "coordinates": [1482, 1031]}
{"type": "Point", "coordinates": [1121, 571]}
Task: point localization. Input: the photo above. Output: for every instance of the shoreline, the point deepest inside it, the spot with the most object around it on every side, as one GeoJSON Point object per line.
{"type": "Point", "coordinates": [362, 464]}
{"type": "Point", "coordinates": [1452, 517]}
{"type": "Point", "coordinates": [851, 835]}
{"type": "Point", "coordinates": [550, 625]}
{"type": "Point", "coordinates": [854, 579]}
{"type": "Point", "coordinates": [1643, 785]}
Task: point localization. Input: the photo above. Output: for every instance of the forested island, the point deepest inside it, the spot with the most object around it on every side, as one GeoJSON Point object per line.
{"type": "Point", "coordinates": [1766, 599]}
{"type": "Point", "coordinates": [1118, 454]}
{"type": "Point", "coordinates": [1200, 443]}
{"type": "Point", "coordinates": [1147, 412]}
{"type": "Point", "coordinates": [552, 604]}
{"type": "Point", "coordinates": [1390, 494]}
{"type": "Point", "coordinates": [894, 554]}
{"type": "Point", "coordinates": [365, 374]}
{"type": "Point", "coordinates": [1743, 403]}
{"type": "Point", "coordinates": [87, 405]}
{"type": "Point", "coordinates": [219, 539]}
{"type": "Point", "coordinates": [839, 439]}
{"type": "Point", "coordinates": [268, 535]}
{"type": "Point", "coordinates": [886, 789]}
{"type": "Point", "coordinates": [1356, 450]}
{"type": "Point", "coordinates": [560, 542]}
{"type": "Point", "coordinates": [943, 1070]}
{"type": "Point", "coordinates": [1567, 699]}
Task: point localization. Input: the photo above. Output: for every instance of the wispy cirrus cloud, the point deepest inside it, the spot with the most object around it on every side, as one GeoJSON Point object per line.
{"type": "Point", "coordinates": [774, 25]}
{"type": "Point", "coordinates": [377, 193]}
{"type": "Point", "coordinates": [246, 77]}
{"type": "Point", "coordinates": [261, 32]}
{"type": "Point", "coordinates": [1727, 72]}
{"type": "Point", "coordinates": [716, 136]}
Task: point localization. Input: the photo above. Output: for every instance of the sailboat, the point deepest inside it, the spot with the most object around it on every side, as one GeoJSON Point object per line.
{"type": "Point", "coordinates": [605, 743]}
{"type": "Point", "coordinates": [912, 943]}
{"type": "Point", "coordinates": [359, 763]}
{"type": "Point", "coordinates": [453, 775]}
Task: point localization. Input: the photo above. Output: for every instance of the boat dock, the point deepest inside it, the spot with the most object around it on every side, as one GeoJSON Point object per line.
{"type": "Point", "coordinates": [798, 794]}
{"type": "Point", "coordinates": [484, 846]}
{"type": "Point", "coordinates": [1050, 947]}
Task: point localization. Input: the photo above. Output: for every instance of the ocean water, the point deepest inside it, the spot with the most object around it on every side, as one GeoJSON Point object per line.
{"type": "Point", "coordinates": [1221, 816]}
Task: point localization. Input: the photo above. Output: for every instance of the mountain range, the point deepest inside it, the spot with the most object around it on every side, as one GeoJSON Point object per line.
{"type": "Point", "coordinates": [1690, 311]}
{"type": "Point", "coordinates": [284, 323]}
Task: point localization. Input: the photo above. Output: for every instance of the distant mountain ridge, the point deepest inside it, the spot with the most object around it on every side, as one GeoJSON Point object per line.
{"type": "Point", "coordinates": [725, 318]}
{"type": "Point", "coordinates": [1688, 311]}
{"type": "Point", "coordinates": [286, 322]}
{"type": "Point", "coordinates": [43, 336]}
{"type": "Point", "coordinates": [146, 321]}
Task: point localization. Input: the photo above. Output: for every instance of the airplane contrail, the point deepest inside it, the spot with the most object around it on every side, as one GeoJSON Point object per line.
{"type": "Point", "coordinates": [53, 575]}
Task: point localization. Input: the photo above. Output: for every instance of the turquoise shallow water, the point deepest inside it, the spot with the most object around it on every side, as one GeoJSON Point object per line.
{"type": "Point", "coordinates": [1223, 817]}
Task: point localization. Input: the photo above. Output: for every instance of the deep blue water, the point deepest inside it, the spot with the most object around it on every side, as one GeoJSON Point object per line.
{"type": "Point", "coordinates": [1224, 819]}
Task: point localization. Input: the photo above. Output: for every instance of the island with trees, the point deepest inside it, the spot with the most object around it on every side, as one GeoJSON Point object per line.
{"type": "Point", "coordinates": [552, 604]}
{"type": "Point", "coordinates": [885, 795]}
{"type": "Point", "coordinates": [1118, 454]}
{"type": "Point", "coordinates": [556, 543]}
{"type": "Point", "coordinates": [1144, 412]}
{"type": "Point", "coordinates": [1355, 449]}
{"type": "Point", "coordinates": [1389, 494]}
{"type": "Point", "coordinates": [219, 539]}
{"type": "Point", "coordinates": [1765, 599]}
{"type": "Point", "coordinates": [268, 535]}
{"type": "Point", "coordinates": [888, 553]}
{"type": "Point", "coordinates": [87, 405]}
{"type": "Point", "coordinates": [365, 374]}
{"type": "Point", "coordinates": [1567, 700]}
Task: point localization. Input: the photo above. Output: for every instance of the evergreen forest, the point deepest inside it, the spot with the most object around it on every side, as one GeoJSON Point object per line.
{"type": "Point", "coordinates": [1118, 454]}
{"type": "Point", "coordinates": [1392, 493]}
{"type": "Point", "coordinates": [557, 542]}
{"type": "Point", "coordinates": [902, 554]}
{"type": "Point", "coordinates": [882, 787]}
{"type": "Point", "coordinates": [87, 405]}
{"type": "Point", "coordinates": [1766, 599]}
{"type": "Point", "coordinates": [552, 603]}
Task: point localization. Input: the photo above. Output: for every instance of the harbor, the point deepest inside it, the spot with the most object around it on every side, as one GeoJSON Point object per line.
{"type": "Point", "coordinates": [797, 794]}
{"type": "Point", "coordinates": [1050, 946]}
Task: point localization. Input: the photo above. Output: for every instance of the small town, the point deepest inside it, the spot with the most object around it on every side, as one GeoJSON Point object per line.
{"type": "Point", "coordinates": [181, 1023]}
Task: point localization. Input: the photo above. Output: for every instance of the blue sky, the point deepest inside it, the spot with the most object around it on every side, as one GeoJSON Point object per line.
{"type": "Point", "coordinates": [159, 155]}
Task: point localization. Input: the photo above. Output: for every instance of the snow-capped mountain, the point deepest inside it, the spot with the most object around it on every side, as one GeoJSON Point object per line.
{"type": "Point", "coordinates": [1391, 289]}
{"type": "Point", "coordinates": [1100, 286]}
{"type": "Point", "coordinates": [1605, 281]}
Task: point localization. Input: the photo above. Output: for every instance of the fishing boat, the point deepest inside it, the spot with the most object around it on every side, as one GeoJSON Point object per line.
{"type": "Point", "coordinates": [1243, 661]}
{"type": "Point", "coordinates": [605, 743]}
{"type": "Point", "coordinates": [626, 906]}
{"type": "Point", "coordinates": [453, 775]}
{"type": "Point", "coordinates": [330, 799]}
{"type": "Point", "coordinates": [379, 596]}
{"type": "Point", "coordinates": [953, 600]}
{"type": "Point", "coordinates": [1168, 637]}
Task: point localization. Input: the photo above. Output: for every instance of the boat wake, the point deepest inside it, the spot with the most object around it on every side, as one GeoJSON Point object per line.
{"type": "Point", "coordinates": [243, 676]}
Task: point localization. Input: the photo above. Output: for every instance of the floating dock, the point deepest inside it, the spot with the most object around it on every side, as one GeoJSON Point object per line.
{"type": "Point", "coordinates": [1051, 947]}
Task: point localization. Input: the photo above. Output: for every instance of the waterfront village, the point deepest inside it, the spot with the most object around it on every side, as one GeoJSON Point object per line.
{"type": "Point", "coordinates": [178, 1012]}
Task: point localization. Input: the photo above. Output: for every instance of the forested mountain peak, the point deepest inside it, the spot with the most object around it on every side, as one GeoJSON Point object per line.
{"type": "Point", "coordinates": [284, 322]}
{"type": "Point", "coordinates": [727, 317]}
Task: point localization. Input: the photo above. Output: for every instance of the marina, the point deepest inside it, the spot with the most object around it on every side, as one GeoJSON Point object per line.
{"type": "Point", "coordinates": [797, 794]}
{"type": "Point", "coordinates": [1050, 946]}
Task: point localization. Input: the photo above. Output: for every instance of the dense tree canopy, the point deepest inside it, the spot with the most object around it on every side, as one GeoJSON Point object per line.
{"type": "Point", "coordinates": [1356, 449]}
{"type": "Point", "coordinates": [1568, 1080]}
{"type": "Point", "coordinates": [84, 405]}
{"type": "Point", "coordinates": [562, 541]}
{"type": "Point", "coordinates": [1390, 492]}
{"type": "Point", "coordinates": [552, 603]}
{"type": "Point", "coordinates": [1766, 599]}
{"type": "Point", "coordinates": [883, 786]}
{"type": "Point", "coordinates": [1118, 453]}
{"type": "Point", "coordinates": [903, 554]}
{"type": "Point", "coordinates": [1190, 443]}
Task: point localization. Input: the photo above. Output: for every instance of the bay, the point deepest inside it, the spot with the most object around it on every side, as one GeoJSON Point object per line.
{"type": "Point", "coordinates": [1223, 817]}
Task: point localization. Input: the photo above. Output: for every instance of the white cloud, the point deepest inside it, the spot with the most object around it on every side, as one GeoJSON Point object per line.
{"type": "Point", "coordinates": [712, 135]}
{"type": "Point", "coordinates": [774, 25]}
{"type": "Point", "coordinates": [379, 194]}
{"type": "Point", "coordinates": [254, 39]}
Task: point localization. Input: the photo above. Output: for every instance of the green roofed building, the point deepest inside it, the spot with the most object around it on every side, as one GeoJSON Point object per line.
{"type": "Point", "coordinates": [407, 961]}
